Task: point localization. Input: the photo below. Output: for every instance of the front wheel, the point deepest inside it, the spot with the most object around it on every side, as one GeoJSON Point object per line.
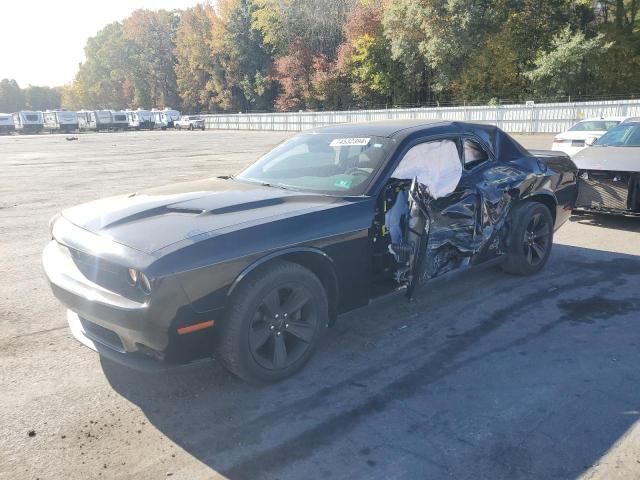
{"type": "Point", "coordinates": [274, 324]}
{"type": "Point", "coordinates": [530, 239]}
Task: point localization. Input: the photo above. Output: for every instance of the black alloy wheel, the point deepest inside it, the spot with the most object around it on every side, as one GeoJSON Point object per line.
{"type": "Point", "coordinates": [537, 239]}
{"type": "Point", "coordinates": [273, 324]}
{"type": "Point", "coordinates": [283, 327]}
{"type": "Point", "coordinates": [530, 239]}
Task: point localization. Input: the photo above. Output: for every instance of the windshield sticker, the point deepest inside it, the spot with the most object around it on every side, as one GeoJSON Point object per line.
{"type": "Point", "coordinates": [349, 142]}
{"type": "Point", "coordinates": [343, 183]}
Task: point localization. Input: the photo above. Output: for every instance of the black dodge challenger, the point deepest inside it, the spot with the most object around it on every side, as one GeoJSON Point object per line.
{"type": "Point", "coordinates": [251, 268]}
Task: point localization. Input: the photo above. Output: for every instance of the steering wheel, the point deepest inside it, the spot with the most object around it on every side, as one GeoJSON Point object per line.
{"type": "Point", "coordinates": [357, 171]}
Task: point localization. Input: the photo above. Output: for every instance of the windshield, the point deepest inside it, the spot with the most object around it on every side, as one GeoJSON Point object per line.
{"type": "Point", "coordinates": [594, 125]}
{"type": "Point", "coordinates": [625, 135]}
{"type": "Point", "coordinates": [324, 163]}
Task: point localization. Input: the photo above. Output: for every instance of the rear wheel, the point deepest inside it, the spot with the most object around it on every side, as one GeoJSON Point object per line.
{"type": "Point", "coordinates": [530, 240]}
{"type": "Point", "coordinates": [274, 324]}
{"type": "Point", "coordinates": [190, 127]}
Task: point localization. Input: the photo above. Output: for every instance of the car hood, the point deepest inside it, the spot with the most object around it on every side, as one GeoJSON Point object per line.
{"type": "Point", "coordinates": [619, 159]}
{"type": "Point", "coordinates": [153, 219]}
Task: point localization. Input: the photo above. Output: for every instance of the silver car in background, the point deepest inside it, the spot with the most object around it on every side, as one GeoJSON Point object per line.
{"type": "Point", "coordinates": [609, 172]}
{"type": "Point", "coordinates": [585, 132]}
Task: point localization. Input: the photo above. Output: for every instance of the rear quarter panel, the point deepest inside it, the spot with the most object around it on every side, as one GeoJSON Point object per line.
{"type": "Point", "coordinates": [560, 179]}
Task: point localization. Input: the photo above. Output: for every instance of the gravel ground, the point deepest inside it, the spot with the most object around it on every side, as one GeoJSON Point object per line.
{"type": "Point", "coordinates": [488, 376]}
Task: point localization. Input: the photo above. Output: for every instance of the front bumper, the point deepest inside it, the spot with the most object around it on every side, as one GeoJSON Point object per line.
{"type": "Point", "coordinates": [130, 331]}
{"type": "Point", "coordinates": [106, 349]}
{"type": "Point", "coordinates": [609, 192]}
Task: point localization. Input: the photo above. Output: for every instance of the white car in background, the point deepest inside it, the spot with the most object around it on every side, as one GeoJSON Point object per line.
{"type": "Point", "coordinates": [190, 122]}
{"type": "Point", "coordinates": [585, 132]}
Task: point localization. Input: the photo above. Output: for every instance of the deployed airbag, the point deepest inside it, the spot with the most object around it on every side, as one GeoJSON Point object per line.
{"type": "Point", "coordinates": [436, 165]}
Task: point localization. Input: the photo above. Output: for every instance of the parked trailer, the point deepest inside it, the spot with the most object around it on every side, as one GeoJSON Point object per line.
{"type": "Point", "coordinates": [6, 123]}
{"type": "Point", "coordinates": [27, 121]}
{"type": "Point", "coordinates": [95, 120]}
{"type": "Point", "coordinates": [60, 121]}
{"type": "Point", "coordinates": [140, 119]}
{"type": "Point", "coordinates": [160, 119]}
{"type": "Point", "coordinates": [120, 120]}
{"type": "Point", "coordinates": [172, 117]}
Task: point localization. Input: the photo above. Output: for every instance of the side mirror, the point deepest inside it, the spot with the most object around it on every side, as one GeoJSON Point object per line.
{"type": "Point", "coordinates": [589, 141]}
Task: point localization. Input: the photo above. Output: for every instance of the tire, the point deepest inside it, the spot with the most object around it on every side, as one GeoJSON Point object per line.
{"type": "Point", "coordinates": [530, 240]}
{"type": "Point", "coordinates": [191, 127]}
{"type": "Point", "coordinates": [253, 338]}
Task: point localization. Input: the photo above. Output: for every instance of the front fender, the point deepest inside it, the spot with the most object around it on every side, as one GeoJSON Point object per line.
{"type": "Point", "coordinates": [274, 255]}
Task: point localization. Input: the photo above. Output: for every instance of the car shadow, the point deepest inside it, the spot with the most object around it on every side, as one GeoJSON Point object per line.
{"type": "Point", "coordinates": [614, 222]}
{"type": "Point", "coordinates": [483, 376]}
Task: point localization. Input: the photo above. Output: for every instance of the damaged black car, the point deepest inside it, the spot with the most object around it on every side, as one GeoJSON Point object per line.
{"type": "Point", "coordinates": [609, 173]}
{"type": "Point", "coordinates": [251, 268]}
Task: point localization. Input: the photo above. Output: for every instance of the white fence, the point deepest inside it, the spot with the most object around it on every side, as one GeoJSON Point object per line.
{"type": "Point", "coordinates": [537, 118]}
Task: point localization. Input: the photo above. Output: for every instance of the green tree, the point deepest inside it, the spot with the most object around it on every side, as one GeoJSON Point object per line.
{"type": "Point", "coordinates": [570, 66]}
{"type": "Point", "coordinates": [365, 58]}
{"type": "Point", "coordinates": [11, 96]}
{"type": "Point", "coordinates": [42, 98]}
{"type": "Point", "coordinates": [246, 61]}
{"type": "Point", "coordinates": [101, 78]}
{"type": "Point", "coordinates": [441, 35]}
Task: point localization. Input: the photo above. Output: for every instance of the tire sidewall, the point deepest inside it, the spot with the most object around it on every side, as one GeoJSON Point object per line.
{"type": "Point", "coordinates": [247, 300]}
{"type": "Point", "coordinates": [516, 251]}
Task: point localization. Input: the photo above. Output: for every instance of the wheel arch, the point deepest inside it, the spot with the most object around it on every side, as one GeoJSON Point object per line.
{"type": "Point", "coordinates": [548, 199]}
{"type": "Point", "coordinates": [313, 259]}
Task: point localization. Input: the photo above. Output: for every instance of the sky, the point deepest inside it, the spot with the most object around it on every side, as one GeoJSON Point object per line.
{"type": "Point", "coordinates": [42, 41]}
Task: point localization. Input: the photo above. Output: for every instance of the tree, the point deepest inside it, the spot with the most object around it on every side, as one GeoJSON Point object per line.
{"type": "Point", "coordinates": [242, 55]}
{"type": "Point", "coordinates": [194, 62]}
{"type": "Point", "coordinates": [152, 37]}
{"type": "Point", "coordinates": [101, 78]}
{"type": "Point", "coordinates": [441, 35]}
{"type": "Point", "coordinates": [246, 61]}
{"type": "Point", "coordinates": [11, 97]}
{"type": "Point", "coordinates": [42, 98]}
{"type": "Point", "coordinates": [570, 66]}
{"type": "Point", "coordinates": [304, 36]}
{"type": "Point", "coordinates": [365, 58]}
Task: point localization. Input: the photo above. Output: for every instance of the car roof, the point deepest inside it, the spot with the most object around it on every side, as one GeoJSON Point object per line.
{"type": "Point", "coordinates": [499, 142]}
{"type": "Point", "coordinates": [381, 128]}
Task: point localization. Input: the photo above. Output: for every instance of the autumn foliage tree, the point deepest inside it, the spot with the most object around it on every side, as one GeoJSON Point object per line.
{"type": "Point", "coordinates": [247, 55]}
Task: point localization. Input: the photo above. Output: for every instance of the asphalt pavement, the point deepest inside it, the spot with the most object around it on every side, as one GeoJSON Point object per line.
{"type": "Point", "coordinates": [485, 376]}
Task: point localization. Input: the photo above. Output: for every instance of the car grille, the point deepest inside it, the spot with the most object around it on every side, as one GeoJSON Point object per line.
{"type": "Point", "coordinates": [102, 335]}
{"type": "Point", "coordinates": [603, 190]}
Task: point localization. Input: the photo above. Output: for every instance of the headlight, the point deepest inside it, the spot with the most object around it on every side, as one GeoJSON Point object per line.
{"type": "Point", "coordinates": [133, 276]}
{"type": "Point", "coordinates": [140, 280]}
